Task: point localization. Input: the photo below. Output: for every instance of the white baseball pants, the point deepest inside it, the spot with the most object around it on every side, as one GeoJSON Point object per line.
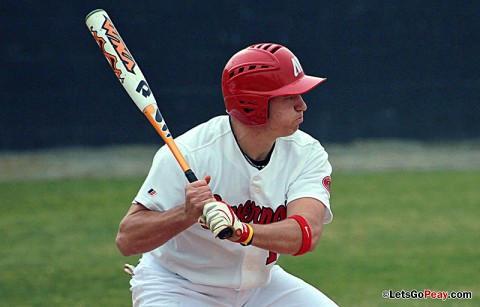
{"type": "Point", "coordinates": [154, 285]}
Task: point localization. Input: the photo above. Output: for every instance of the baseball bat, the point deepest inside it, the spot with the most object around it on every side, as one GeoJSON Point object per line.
{"type": "Point", "coordinates": [134, 82]}
{"type": "Point", "coordinates": [132, 79]}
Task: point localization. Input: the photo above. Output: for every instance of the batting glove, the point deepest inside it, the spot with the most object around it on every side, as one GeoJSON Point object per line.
{"type": "Point", "coordinates": [218, 216]}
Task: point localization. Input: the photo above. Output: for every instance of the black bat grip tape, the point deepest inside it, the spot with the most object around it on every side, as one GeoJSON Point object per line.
{"type": "Point", "coordinates": [190, 176]}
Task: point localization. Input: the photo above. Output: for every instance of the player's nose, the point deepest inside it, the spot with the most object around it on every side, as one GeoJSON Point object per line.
{"type": "Point", "coordinates": [301, 106]}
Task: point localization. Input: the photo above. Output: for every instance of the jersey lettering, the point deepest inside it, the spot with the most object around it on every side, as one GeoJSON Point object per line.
{"type": "Point", "coordinates": [250, 212]}
{"type": "Point", "coordinates": [272, 257]}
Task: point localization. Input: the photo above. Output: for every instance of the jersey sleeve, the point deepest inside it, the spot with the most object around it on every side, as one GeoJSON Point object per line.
{"type": "Point", "coordinates": [314, 180]}
{"type": "Point", "coordinates": [163, 189]}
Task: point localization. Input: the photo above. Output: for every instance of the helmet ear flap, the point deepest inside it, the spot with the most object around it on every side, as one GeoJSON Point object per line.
{"type": "Point", "coordinates": [251, 110]}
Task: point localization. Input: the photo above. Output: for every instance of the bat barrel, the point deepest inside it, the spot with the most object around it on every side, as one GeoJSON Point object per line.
{"type": "Point", "coordinates": [93, 12]}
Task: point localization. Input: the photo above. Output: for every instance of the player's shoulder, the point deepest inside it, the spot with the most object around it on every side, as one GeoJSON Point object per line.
{"type": "Point", "coordinates": [205, 133]}
{"type": "Point", "coordinates": [301, 146]}
{"type": "Point", "coordinates": [301, 139]}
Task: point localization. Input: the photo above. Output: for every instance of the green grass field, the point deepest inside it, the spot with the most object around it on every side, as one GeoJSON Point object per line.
{"type": "Point", "coordinates": [398, 231]}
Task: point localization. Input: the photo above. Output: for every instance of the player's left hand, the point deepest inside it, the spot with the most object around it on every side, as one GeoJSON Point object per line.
{"type": "Point", "coordinates": [218, 215]}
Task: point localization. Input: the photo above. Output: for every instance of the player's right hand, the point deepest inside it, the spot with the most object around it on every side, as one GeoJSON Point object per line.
{"type": "Point", "coordinates": [197, 194]}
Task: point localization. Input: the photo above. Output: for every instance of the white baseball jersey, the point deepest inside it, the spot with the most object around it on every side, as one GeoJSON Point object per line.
{"type": "Point", "coordinates": [298, 168]}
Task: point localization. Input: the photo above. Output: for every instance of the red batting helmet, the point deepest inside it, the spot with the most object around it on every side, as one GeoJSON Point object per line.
{"type": "Point", "coordinates": [258, 73]}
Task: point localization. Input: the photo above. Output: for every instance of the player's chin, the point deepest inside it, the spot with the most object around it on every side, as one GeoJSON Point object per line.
{"type": "Point", "coordinates": [288, 130]}
{"type": "Point", "coordinates": [296, 125]}
{"type": "Point", "coordinates": [292, 130]}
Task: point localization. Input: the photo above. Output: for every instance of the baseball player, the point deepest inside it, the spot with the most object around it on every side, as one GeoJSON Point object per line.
{"type": "Point", "coordinates": [261, 177]}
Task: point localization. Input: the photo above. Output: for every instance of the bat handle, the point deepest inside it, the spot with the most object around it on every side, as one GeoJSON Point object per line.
{"type": "Point", "coordinates": [190, 176]}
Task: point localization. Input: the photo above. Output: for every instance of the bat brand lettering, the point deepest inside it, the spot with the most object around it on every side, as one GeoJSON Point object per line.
{"type": "Point", "coordinates": [118, 45]}
{"type": "Point", "coordinates": [297, 68]}
{"type": "Point", "coordinates": [143, 89]}
{"type": "Point", "coordinates": [112, 60]}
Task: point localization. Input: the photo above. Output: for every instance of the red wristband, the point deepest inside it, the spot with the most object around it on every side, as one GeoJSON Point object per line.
{"type": "Point", "coordinates": [306, 234]}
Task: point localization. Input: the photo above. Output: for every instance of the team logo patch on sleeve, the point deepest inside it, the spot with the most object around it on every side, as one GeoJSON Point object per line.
{"type": "Point", "coordinates": [152, 192]}
{"type": "Point", "coordinates": [326, 183]}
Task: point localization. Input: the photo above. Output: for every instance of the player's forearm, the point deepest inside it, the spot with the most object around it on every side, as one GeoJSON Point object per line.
{"type": "Point", "coordinates": [287, 236]}
{"type": "Point", "coordinates": [284, 237]}
{"type": "Point", "coordinates": [146, 230]}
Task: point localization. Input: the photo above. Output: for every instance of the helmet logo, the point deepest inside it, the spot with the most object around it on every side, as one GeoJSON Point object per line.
{"type": "Point", "coordinates": [297, 68]}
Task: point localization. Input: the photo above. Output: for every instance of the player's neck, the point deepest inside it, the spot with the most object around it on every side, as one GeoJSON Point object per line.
{"type": "Point", "coordinates": [255, 144]}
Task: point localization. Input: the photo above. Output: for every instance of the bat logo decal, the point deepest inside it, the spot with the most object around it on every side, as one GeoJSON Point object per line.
{"type": "Point", "coordinates": [144, 88]}
{"type": "Point", "coordinates": [119, 46]}
{"type": "Point", "coordinates": [159, 119]}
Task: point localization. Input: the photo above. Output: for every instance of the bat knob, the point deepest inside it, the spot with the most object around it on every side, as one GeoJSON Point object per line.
{"type": "Point", "coordinates": [225, 234]}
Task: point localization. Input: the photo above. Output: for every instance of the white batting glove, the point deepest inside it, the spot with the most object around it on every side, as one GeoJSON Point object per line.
{"type": "Point", "coordinates": [203, 222]}
{"type": "Point", "coordinates": [218, 216]}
